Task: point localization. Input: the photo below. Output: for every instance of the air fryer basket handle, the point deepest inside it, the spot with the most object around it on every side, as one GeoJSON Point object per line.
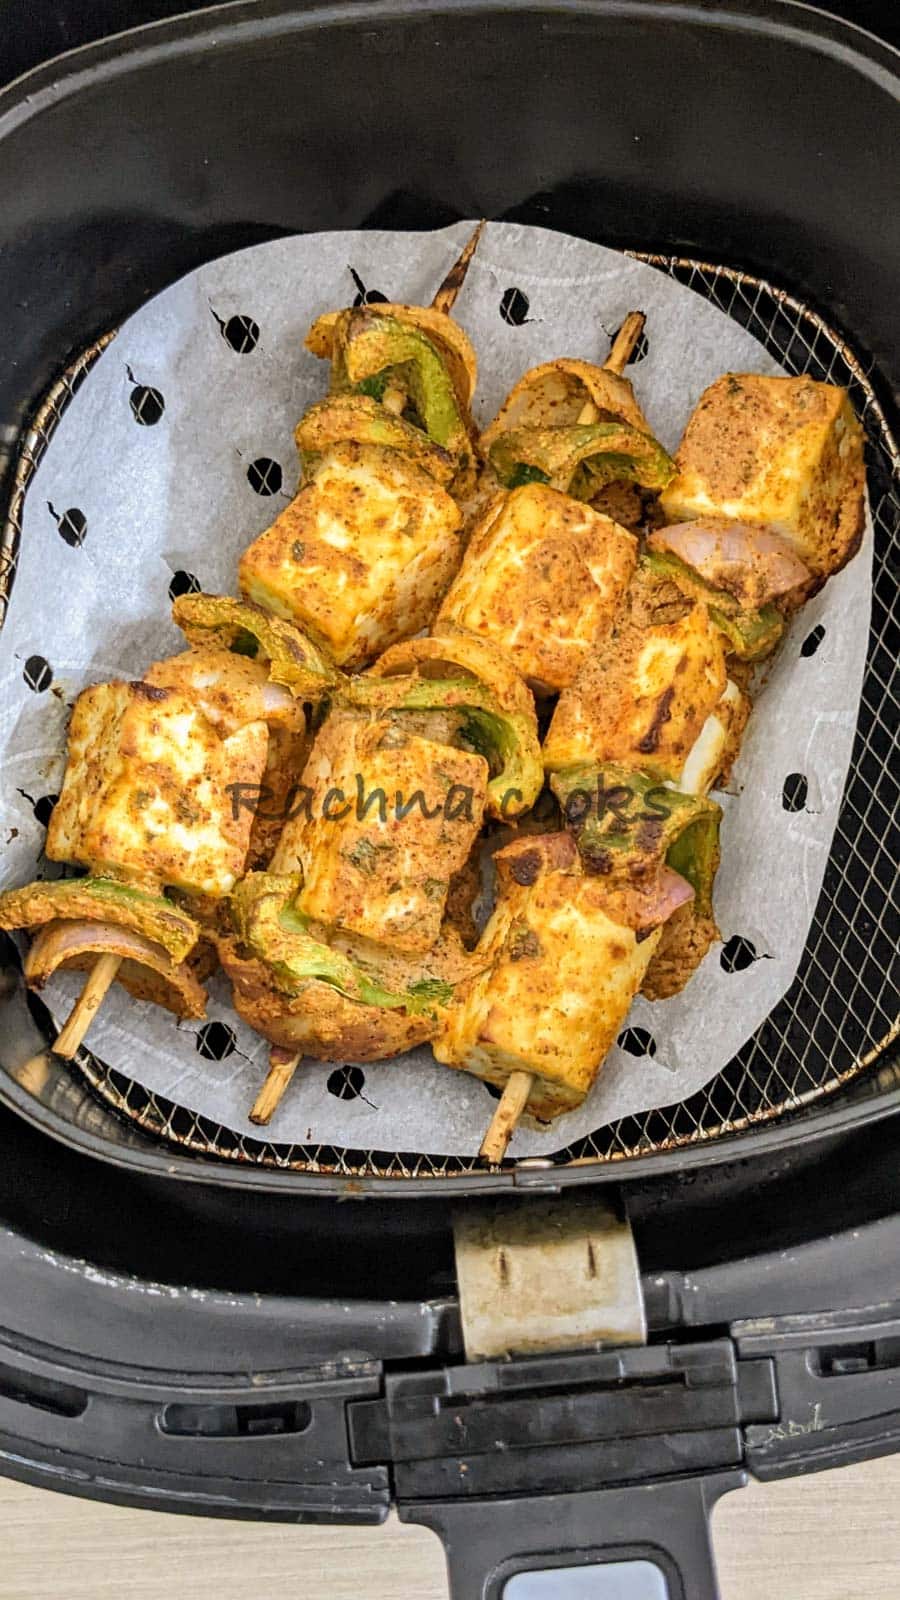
{"type": "Point", "coordinates": [655, 1537]}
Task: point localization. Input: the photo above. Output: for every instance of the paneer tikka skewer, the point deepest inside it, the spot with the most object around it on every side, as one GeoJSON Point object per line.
{"type": "Point", "coordinates": [145, 800]}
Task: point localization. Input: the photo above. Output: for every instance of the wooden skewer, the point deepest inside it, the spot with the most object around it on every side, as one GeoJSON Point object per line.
{"type": "Point", "coordinates": [86, 1007]}
{"type": "Point", "coordinates": [623, 345]}
{"type": "Point", "coordinates": [618, 358]}
{"type": "Point", "coordinates": [395, 396]}
{"type": "Point", "coordinates": [509, 1109]}
{"type": "Point", "coordinates": [282, 1066]}
{"type": "Point", "coordinates": [446, 297]}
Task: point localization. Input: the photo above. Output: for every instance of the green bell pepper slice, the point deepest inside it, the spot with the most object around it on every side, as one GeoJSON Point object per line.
{"type": "Point", "coordinates": [270, 925]}
{"type": "Point", "coordinates": [101, 900]}
{"type": "Point", "coordinates": [580, 459]}
{"type": "Point", "coordinates": [247, 629]}
{"type": "Point", "coordinates": [752, 635]}
{"type": "Point", "coordinates": [359, 418]}
{"type": "Point", "coordinates": [506, 738]}
{"type": "Point", "coordinates": [369, 346]}
{"type": "Point", "coordinates": [625, 823]}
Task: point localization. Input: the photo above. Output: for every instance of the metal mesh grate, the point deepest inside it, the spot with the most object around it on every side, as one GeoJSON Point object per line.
{"type": "Point", "coordinates": [840, 1013]}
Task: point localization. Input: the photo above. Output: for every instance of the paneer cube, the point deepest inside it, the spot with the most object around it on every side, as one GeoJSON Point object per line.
{"type": "Point", "coordinates": [147, 793]}
{"type": "Point", "coordinates": [543, 577]}
{"type": "Point", "coordinates": [361, 556]}
{"type": "Point", "coordinates": [787, 452]}
{"type": "Point", "coordinates": [643, 698]}
{"type": "Point", "coordinates": [384, 819]}
{"type": "Point", "coordinates": [562, 978]}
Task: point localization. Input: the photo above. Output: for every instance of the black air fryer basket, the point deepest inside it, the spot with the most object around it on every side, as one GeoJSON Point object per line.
{"type": "Point", "coordinates": [746, 149]}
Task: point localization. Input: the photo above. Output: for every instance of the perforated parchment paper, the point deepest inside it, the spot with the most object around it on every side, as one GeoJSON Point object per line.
{"type": "Point", "coordinates": [164, 485]}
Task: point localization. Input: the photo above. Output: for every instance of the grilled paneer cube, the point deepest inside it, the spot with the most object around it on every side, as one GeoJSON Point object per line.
{"type": "Point", "coordinates": [787, 452]}
{"type": "Point", "coordinates": [361, 556]}
{"type": "Point", "coordinates": [384, 820]}
{"type": "Point", "coordinates": [232, 690]}
{"type": "Point", "coordinates": [147, 792]}
{"type": "Point", "coordinates": [564, 971]}
{"type": "Point", "coordinates": [542, 577]}
{"type": "Point", "coordinates": [643, 698]}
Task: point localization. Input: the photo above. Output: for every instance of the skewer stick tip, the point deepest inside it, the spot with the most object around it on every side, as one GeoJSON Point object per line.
{"type": "Point", "coordinates": [282, 1066]}
{"type": "Point", "coordinates": [447, 294]}
{"type": "Point", "coordinates": [505, 1119]}
{"type": "Point", "coordinates": [623, 345]}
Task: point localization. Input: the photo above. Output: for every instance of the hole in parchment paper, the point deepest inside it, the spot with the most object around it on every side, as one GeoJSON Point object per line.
{"type": "Point", "coordinates": [240, 332]}
{"type": "Point", "coordinates": [738, 953]}
{"type": "Point", "coordinates": [264, 475]}
{"type": "Point", "coordinates": [37, 674]}
{"type": "Point", "coordinates": [215, 1040]}
{"type": "Point", "coordinates": [43, 808]}
{"type": "Point", "coordinates": [794, 792]}
{"type": "Point", "coordinates": [514, 307]}
{"type": "Point", "coordinates": [812, 641]}
{"type": "Point", "coordinates": [72, 524]}
{"type": "Point", "coordinates": [641, 349]}
{"type": "Point", "coordinates": [147, 405]}
{"type": "Point", "coordinates": [183, 583]}
{"type": "Point", "coordinates": [346, 1083]}
{"type": "Point", "coordinates": [364, 296]}
{"type": "Point", "coordinates": [637, 1042]}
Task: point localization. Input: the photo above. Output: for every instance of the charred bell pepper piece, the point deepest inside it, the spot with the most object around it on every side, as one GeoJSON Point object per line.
{"type": "Point", "coordinates": [273, 928]}
{"type": "Point", "coordinates": [101, 900]}
{"type": "Point", "coordinates": [452, 344]}
{"type": "Point", "coordinates": [626, 822]}
{"type": "Point", "coordinates": [361, 419]}
{"type": "Point", "coordinates": [460, 672]}
{"type": "Point", "coordinates": [582, 458]}
{"type": "Point", "coordinates": [370, 345]}
{"type": "Point", "coordinates": [751, 634]}
{"type": "Point", "coordinates": [247, 629]}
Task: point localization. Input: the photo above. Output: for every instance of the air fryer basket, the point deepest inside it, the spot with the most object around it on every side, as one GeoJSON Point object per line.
{"type": "Point", "coordinates": [834, 1029]}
